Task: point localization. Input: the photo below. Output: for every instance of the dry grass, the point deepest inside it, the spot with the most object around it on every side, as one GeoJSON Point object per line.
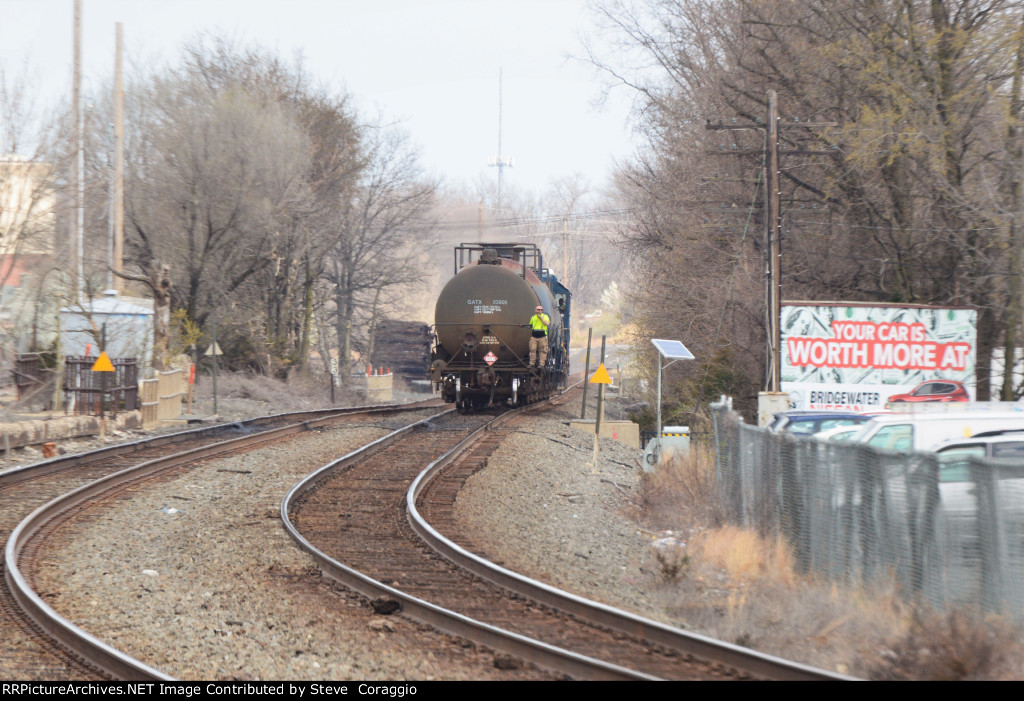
{"type": "Point", "coordinates": [745, 556]}
{"type": "Point", "coordinates": [680, 495]}
{"type": "Point", "coordinates": [736, 585]}
{"type": "Point", "coordinates": [956, 646]}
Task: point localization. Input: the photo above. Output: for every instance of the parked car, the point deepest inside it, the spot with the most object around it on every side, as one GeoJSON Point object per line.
{"type": "Point", "coordinates": [905, 433]}
{"type": "Point", "coordinates": [1004, 446]}
{"type": "Point", "coordinates": [934, 391]}
{"type": "Point", "coordinates": [999, 485]}
{"type": "Point", "coordinates": [837, 434]}
{"type": "Point", "coordinates": [807, 422]}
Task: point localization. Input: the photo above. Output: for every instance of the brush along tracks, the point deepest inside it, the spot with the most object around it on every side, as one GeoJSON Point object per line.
{"type": "Point", "coordinates": [38, 643]}
{"type": "Point", "coordinates": [354, 517]}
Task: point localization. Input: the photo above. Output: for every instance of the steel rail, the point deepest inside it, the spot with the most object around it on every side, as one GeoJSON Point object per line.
{"type": "Point", "coordinates": [64, 632]}
{"type": "Point", "coordinates": [740, 658]}
{"type": "Point", "coordinates": [440, 618]}
{"type": "Point", "coordinates": [62, 462]}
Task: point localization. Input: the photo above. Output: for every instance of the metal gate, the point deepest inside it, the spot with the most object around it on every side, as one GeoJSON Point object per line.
{"type": "Point", "coordinates": [88, 392]}
{"type": "Point", "coordinates": [28, 373]}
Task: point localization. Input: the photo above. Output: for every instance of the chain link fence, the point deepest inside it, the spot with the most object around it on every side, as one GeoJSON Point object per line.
{"type": "Point", "coordinates": [949, 533]}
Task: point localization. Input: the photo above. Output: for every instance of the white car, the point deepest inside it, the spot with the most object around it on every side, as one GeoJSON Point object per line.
{"type": "Point", "coordinates": [997, 445]}
{"type": "Point", "coordinates": [906, 433]}
{"type": "Point", "coordinates": [838, 433]}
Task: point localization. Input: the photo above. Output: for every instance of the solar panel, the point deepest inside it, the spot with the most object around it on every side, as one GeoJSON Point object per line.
{"type": "Point", "coordinates": [672, 349]}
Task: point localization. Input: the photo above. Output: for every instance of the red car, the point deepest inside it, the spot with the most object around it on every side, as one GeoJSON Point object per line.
{"type": "Point", "coordinates": [934, 391]}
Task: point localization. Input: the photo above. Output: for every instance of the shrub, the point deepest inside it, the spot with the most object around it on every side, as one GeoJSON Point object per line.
{"type": "Point", "coordinates": [957, 646]}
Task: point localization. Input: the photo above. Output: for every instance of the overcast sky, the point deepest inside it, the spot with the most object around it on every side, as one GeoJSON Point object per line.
{"type": "Point", "coordinates": [434, 64]}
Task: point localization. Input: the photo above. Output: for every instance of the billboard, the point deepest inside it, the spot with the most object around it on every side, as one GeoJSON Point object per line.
{"type": "Point", "coordinates": [838, 355]}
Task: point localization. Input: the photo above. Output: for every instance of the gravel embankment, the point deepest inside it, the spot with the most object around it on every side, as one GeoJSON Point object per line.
{"type": "Point", "coordinates": [196, 577]}
{"type": "Point", "coordinates": [542, 509]}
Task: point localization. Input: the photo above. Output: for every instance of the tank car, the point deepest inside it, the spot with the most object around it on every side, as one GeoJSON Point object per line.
{"type": "Point", "coordinates": [481, 355]}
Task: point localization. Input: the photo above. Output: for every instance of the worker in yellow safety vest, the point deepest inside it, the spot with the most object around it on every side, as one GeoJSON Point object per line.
{"type": "Point", "coordinates": [539, 337]}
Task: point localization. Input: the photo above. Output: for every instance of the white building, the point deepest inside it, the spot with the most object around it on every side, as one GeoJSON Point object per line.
{"type": "Point", "coordinates": [126, 321]}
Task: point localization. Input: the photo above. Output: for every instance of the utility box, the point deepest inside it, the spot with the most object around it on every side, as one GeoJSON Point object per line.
{"type": "Point", "coordinates": [769, 404]}
{"type": "Point", "coordinates": [673, 442]}
{"type": "Point", "coordinates": [676, 437]}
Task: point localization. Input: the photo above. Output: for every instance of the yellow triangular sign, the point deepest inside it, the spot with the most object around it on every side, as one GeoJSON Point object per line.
{"type": "Point", "coordinates": [601, 376]}
{"type": "Point", "coordinates": [103, 364]}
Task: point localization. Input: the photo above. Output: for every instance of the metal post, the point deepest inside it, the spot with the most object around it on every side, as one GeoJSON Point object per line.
{"type": "Point", "coordinates": [214, 353]}
{"type": "Point", "coordinates": [659, 397]}
{"type": "Point", "coordinates": [103, 377]}
{"type": "Point", "coordinates": [586, 374]}
{"type": "Point", "coordinates": [600, 393]}
{"type": "Point", "coordinates": [59, 365]}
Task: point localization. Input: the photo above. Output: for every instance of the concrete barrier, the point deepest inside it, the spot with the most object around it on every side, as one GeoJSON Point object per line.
{"type": "Point", "coordinates": [38, 431]}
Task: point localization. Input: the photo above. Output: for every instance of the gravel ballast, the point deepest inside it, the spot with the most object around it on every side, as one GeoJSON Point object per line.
{"type": "Point", "coordinates": [539, 507]}
{"type": "Point", "coordinates": [196, 577]}
{"type": "Point", "coordinates": [542, 509]}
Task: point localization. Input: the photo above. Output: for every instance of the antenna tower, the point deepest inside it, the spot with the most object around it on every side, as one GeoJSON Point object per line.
{"type": "Point", "coordinates": [501, 162]}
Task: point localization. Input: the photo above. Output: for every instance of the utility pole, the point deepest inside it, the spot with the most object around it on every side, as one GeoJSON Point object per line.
{"type": "Point", "coordinates": [773, 221]}
{"type": "Point", "coordinates": [117, 244]}
{"type": "Point", "coordinates": [76, 108]}
{"type": "Point", "coordinates": [773, 228]}
{"type": "Point", "coordinates": [565, 250]}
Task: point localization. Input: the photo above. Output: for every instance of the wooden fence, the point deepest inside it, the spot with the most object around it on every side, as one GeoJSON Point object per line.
{"type": "Point", "coordinates": [162, 397]}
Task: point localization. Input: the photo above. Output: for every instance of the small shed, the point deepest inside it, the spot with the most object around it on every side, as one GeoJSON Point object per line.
{"type": "Point", "coordinates": [127, 323]}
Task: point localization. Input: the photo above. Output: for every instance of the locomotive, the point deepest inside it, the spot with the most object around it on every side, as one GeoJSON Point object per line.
{"type": "Point", "coordinates": [481, 332]}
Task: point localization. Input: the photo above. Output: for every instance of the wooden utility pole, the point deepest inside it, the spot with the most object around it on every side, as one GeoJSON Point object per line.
{"type": "Point", "coordinates": [773, 221]}
{"type": "Point", "coordinates": [76, 108]}
{"type": "Point", "coordinates": [117, 247]}
{"type": "Point", "coordinates": [773, 228]}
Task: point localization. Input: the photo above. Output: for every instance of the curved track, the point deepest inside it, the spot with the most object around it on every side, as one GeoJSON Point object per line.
{"type": "Point", "coordinates": [39, 644]}
{"type": "Point", "coordinates": [352, 516]}
{"type": "Point", "coordinates": [355, 510]}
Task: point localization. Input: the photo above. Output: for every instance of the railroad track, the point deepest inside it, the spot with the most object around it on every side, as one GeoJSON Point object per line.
{"type": "Point", "coordinates": [110, 662]}
{"type": "Point", "coordinates": [360, 518]}
{"type": "Point", "coordinates": [37, 643]}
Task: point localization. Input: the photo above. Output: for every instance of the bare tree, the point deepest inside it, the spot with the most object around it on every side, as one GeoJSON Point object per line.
{"type": "Point", "coordinates": [382, 228]}
{"type": "Point", "coordinates": [32, 161]}
{"type": "Point", "coordinates": [892, 211]}
{"type": "Point", "coordinates": [216, 185]}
